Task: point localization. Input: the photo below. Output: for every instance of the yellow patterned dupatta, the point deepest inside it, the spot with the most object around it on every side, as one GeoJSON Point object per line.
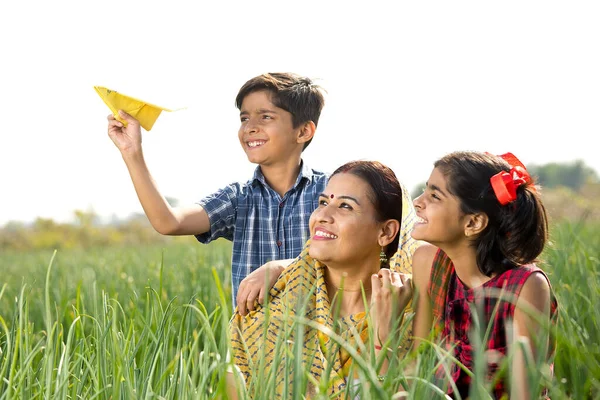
{"type": "Point", "coordinates": [297, 328]}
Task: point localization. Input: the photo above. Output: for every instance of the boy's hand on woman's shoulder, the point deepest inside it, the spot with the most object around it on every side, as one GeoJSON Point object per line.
{"type": "Point", "coordinates": [257, 284]}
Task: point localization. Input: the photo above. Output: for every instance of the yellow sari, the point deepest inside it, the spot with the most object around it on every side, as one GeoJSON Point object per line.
{"type": "Point", "coordinates": [297, 328]}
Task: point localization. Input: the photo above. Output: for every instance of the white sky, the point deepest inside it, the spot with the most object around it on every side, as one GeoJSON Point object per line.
{"type": "Point", "coordinates": [406, 84]}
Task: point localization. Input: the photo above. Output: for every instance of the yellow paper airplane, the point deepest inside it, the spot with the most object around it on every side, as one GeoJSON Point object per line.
{"type": "Point", "coordinates": [143, 111]}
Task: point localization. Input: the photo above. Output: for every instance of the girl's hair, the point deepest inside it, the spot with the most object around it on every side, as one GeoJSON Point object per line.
{"type": "Point", "coordinates": [516, 232]}
{"type": "Point", "coordinates": [386, 192]}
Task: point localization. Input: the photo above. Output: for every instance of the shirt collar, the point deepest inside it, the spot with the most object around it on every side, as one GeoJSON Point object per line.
{"type": "Point", "coordinates": [305, 172]}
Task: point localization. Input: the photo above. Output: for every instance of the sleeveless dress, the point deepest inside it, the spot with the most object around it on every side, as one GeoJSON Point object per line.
{"type": "Point", "coordinates": [459, 312]}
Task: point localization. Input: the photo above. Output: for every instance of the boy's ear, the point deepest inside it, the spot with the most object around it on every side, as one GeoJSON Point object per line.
{"type": "Point", "coordinates": [476, 223]}
{"type": "Point", "coordinates": [389, 230]}
{"type": "Point", "coordinates": [306, 132]}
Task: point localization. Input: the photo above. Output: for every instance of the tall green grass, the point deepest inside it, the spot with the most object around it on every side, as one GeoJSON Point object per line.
{"type": "Point", "coordinates": [114, 323]}
{"type": "Point", "coordinates": [573, 265]}
{"type": "Point", "coordinates": [151, 323]}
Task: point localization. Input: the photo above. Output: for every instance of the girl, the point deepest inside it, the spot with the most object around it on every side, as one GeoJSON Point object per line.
{"type": "Point", "coordinates": [486, 225]}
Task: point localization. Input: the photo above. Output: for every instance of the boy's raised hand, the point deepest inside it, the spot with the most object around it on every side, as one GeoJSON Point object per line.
{"type": "Point", "coordinates": [128, 139]}
{"type": "Point", "coordinates": [254, 287]}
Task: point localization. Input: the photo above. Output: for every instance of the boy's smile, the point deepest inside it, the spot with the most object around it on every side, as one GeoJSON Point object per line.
{"type": "Point", "coordinates": [255, 143]}
{"type": "Point", "coordinates": [266, 131]}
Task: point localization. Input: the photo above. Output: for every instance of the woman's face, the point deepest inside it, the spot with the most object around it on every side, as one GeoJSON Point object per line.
{"type": "Point", "coordinates": [344, 228]}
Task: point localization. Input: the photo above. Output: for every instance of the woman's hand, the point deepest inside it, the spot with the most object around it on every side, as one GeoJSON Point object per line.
{"type": "Point", "coordinates": [390, 294]}
{"type": "Point", "coordinates": [254, 286]}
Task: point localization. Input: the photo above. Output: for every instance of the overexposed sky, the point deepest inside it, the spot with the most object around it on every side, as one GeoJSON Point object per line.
{"type": "Point", "coordinates": [406, 84]}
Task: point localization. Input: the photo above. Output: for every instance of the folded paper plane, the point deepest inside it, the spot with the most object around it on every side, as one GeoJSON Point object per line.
{"type": "Point", "coordinates": [143, 111]}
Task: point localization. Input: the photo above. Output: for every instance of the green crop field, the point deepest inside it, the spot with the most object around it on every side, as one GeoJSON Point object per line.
{"type": "Point", "coordinates": [151, 322]}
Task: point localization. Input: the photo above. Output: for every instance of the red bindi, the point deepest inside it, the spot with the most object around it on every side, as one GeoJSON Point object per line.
{"type": "Point", "coordinates": [331, 196]}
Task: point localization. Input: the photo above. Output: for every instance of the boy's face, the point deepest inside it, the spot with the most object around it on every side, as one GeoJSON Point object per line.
{"type": "Point", "coordinates": [266, 132]}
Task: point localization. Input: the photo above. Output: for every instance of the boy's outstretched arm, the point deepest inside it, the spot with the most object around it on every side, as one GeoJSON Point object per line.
{"type": "Point", "coordinates": [165, 219]}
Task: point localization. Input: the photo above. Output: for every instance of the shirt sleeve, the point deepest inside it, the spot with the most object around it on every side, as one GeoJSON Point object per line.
{"type": "Point", "coordinates": [221, 208]}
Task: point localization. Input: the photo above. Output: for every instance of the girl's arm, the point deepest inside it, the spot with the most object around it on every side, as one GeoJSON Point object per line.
{"type": "Point", "coordinates": [534, 298]}
{"type": "Point", "coordinates": [422, 261]}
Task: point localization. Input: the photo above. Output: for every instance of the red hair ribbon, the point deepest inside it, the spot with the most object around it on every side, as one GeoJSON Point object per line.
{"type": "Point", "coordinates": [505, 184]}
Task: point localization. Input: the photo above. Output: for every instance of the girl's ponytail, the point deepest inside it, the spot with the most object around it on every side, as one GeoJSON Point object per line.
{"type": "Point", "coordinates": [523, 227]}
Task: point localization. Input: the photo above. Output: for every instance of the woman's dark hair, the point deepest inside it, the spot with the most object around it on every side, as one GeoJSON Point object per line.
{"type": "Point", "coordinates": [516, 232]}
{"type": "Point", "coordinates": [386, 192]}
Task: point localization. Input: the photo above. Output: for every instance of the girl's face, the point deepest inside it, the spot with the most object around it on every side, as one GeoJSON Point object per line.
{"type": "Point", "coordinates": [440, 220]}
{"type": "Point", "coordinates": [344, 228]}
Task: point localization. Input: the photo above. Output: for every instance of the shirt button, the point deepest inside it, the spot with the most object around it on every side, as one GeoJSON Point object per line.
{"type": "Point", "coordinates": [279, 243]}
{"type": "Point", "coordinates": [281, 204]}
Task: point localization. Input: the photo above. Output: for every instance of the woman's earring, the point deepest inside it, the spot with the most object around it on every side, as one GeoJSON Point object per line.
{"type": "Point", "coordinates": [383, 257]}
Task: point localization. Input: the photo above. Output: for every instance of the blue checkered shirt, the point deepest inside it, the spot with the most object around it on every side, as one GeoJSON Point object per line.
{"type": "Point", "coordinates": [262, 225]}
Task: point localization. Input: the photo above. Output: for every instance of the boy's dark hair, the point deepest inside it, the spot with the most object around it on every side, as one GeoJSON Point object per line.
{"type": "Point", "coordinates": [386, 192]}
{"type": "Point", "coordinates": [295, 94]}
{"type": "Point", "coordinates": [516, 232]}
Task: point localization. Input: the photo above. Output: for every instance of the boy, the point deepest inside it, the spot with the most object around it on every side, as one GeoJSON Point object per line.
{"type": "Point", "coordinates": [266, 217]}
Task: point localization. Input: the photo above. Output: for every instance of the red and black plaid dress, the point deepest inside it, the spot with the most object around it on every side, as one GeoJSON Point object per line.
{"type": "Point", "coordinates": [453, 304]}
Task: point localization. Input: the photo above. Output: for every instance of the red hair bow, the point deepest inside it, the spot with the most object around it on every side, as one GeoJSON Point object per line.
{"type": "Point", "coordinates": [505, 184]}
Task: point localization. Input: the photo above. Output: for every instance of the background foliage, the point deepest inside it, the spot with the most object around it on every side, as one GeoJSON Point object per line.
{"type": "Point", "coordinates": [124, 312]}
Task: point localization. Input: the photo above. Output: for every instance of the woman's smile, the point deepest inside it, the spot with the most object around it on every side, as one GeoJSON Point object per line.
{"type": "Point", "coordinates": [323, 234]}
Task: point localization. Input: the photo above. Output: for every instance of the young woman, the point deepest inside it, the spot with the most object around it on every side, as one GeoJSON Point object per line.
{"type": "Point", "coordinates": [360, 238]}
{"type": "Point", "coordinates": [486, 224]}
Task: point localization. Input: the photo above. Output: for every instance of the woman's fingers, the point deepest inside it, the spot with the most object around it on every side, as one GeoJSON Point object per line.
{"type": "Point", "coordinates": [407, 281]}
{"type": "Point", "coordinates": [384, 273]}
{"type": "Point", "coordinates": [387, 283]}
{"type": "Point", "coordinates": [386, 278]}
{"type": "Point", "coordinates": [396, 279]}
{"type": "Point", "coordinates": [404, 277]}
{"type": "Point", "coordinates": [375, 284]}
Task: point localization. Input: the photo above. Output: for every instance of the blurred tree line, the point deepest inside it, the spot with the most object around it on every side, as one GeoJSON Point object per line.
{"type": "Point", "coordinates": [575, 176]}
{"type": "Point", "coordinates": [570, 191]}
{"type": "Point", "coordinates": [84, 232]}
